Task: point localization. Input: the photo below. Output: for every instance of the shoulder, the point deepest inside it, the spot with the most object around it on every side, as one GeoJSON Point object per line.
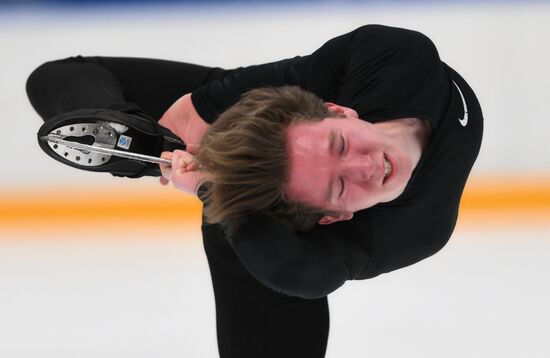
{"type": "Point", "coordinates": [393, 38]}
{"type": "Point", "coordinates": [408, 36]}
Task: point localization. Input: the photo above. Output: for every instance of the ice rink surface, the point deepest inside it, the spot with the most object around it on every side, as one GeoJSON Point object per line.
{"type": "Point", "coordinates": [486, 294]}
{"type": "Point", "coordinates": [147, 293]}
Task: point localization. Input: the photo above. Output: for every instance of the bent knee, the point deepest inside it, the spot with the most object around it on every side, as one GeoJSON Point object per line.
{"type": "Point", "coordinates": [45, 80]}
{"type": "Point", "coordinates": [41, 78]}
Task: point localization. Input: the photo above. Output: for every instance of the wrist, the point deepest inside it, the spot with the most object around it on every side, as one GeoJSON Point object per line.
{"type": "Point", "coordinates": [182, 119]}
{"type": "Point", "coordinates": [196, 126]}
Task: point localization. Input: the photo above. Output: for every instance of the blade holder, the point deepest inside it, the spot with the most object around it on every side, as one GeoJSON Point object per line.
{"type": "Point", "coordinates": [104, 136]}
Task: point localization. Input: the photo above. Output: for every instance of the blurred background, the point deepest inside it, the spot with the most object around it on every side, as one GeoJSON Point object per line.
{"type": "Point", "coordinates": [92, 265]}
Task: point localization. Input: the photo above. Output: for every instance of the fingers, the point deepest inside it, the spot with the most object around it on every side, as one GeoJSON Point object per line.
{"type": "Point", "coordinates": [181, 172]}
{"type": "Point", "coordinates": [183, 162]}
{"type": "Point", "coordinates": [180, 160]}
{"type": "Point", "coordinates": [193, 165]}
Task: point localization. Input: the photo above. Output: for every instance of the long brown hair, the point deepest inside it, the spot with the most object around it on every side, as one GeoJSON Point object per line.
{"type": "Point", "coordinates": [245, 155]}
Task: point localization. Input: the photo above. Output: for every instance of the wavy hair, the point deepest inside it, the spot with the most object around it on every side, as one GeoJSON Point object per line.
{"type": "Point", "coordinates": [245, 154]}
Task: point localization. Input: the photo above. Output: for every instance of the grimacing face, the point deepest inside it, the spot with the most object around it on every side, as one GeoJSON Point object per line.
{"type": "Point", "coordinates": [340, 164]}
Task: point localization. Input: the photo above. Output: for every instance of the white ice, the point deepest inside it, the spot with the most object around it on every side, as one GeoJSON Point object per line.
{"type": "Point", "coordinates": [485, 294]}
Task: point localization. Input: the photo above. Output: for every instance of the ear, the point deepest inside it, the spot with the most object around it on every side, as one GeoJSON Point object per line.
{"type": "Point", "coordinates": [348, 112]}
{"type": "Point", "coordinates": [329, 219]}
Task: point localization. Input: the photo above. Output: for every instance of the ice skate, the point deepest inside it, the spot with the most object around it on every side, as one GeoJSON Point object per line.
{"type": "Point", "coordinates": [104, 140]}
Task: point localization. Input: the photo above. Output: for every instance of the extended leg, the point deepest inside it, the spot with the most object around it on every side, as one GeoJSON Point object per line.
{"type": "Point", "coordinates": [254, 321]}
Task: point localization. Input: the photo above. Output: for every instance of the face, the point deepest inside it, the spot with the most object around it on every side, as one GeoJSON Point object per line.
{"type": "Point", "coordinates": [339, 164]}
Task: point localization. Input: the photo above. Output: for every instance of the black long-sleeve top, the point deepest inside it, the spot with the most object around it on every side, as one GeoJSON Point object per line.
{"type": "Point", "coordinates": [383, 73]}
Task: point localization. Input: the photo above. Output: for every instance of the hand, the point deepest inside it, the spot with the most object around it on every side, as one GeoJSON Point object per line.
{"type": "Point", "coordinates": [182, 119]}
{"type": "Point", "coordinates": [183, 172]}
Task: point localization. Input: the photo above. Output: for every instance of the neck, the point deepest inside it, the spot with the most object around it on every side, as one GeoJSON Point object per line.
{"type": "Point", "coordinates": [406, 126]}
{"type": "Point", "coordinates": [412, 134]}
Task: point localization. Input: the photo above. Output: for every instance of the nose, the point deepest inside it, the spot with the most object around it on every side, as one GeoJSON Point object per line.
{"type": "Point", "coordinates": [360, 169]}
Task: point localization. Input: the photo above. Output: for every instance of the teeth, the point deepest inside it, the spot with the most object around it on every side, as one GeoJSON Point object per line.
{"type": "Point", "coordinates": [387, 168]}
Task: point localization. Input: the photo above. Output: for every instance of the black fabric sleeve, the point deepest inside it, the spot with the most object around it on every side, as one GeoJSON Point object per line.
{"type": "Point", "coordinates": [212, 99]}
{"type": "Point", "coordinates": [304, 264]}
{"type": "Point", "coordinates": [308, 264]}
{"type": "Point", "coordinates": [373, 69]}
{"type": "Point", "coordinates": [319, 73]}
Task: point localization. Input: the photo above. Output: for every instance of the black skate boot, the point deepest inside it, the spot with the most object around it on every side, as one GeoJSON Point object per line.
{"type": "Point", "coordinates": [117, 131]}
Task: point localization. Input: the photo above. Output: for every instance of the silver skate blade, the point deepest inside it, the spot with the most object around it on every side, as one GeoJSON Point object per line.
{"type": "Point", "coordinates": [54, 138]}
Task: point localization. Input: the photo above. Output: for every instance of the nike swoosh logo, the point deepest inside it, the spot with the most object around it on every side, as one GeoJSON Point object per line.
{"type": "Point", "coordinates": [463, 121]}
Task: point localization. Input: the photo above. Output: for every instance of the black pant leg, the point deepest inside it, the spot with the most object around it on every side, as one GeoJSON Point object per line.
{"type": "Point", "coordinates": [155, 84]}
{"type": "Point", "coordinates": [109, 82]}
{"type": "Point", "coordinates": [70, 84]}
{"type": "Point", "coordinates": [255, 321]}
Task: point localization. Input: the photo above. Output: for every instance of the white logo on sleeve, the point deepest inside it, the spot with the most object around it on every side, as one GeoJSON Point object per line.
{"type": "Point", "coordinates": [463, 121]}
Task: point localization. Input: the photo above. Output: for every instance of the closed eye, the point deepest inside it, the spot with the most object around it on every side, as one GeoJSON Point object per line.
{"type": "Point", "coordinates": [342, 150]}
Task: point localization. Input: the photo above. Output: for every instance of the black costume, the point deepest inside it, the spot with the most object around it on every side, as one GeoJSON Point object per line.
{"type": "Point", "coordinates": [383, 73]}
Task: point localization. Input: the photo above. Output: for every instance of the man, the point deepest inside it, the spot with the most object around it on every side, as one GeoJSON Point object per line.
{"type": "Point", "coordinates": [282, 151]}
{"type": "Point", "coordinates": [387, 177]}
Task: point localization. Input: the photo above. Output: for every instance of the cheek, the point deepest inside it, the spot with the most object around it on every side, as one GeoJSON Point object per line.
{"type": "Point", "coordinates": [406, 164]}
{"type": "Point", "coordinates": [366, 138]}
{"type": "Point", "coordinates": [358, 198]}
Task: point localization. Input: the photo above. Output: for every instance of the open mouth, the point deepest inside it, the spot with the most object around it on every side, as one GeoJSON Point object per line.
{"type": "Point", "coordinates": [388, 169]}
